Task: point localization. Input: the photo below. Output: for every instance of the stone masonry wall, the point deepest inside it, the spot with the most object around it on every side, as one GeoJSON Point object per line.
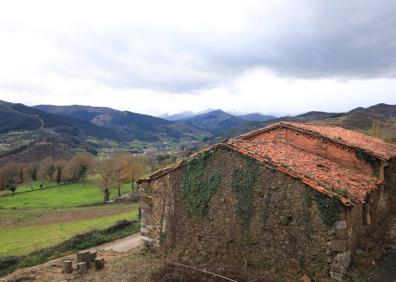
{"type": "Point", "coordinates": [286, 232]}
{"type": "Point", "coordinates": [378, 203]}
{"type": "Point", "coordinates": [355, 221]}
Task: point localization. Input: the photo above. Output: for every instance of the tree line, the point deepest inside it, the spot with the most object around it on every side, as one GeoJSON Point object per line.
{"type": "Point", "coordinates": [108, 171]}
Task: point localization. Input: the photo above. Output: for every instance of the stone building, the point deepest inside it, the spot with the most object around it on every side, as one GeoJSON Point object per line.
{"type": "Point", "coordinates": [290, 197]}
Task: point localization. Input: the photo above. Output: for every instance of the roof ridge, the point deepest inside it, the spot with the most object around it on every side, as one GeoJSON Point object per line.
{"type": "Point", "coordinates": [299, 126]}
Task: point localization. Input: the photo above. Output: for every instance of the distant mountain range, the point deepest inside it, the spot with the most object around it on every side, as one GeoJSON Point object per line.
{"type": "Point", "coordinates": [189, 115]}
{"type": "Point", "coordinates": [131, 125]}
{"type": "Point", "coordinates": [148, 128]}
{"type": "Point", "coordinates": [217, 122]}
{"type": "Point", "coordinates": [20, 117]}
{"type": "Point", "coordinates": [378, 120]}
{"type": "Point", "coordinates": [71, 128]}
{"type": "Point", "coordinates": [179, 116]}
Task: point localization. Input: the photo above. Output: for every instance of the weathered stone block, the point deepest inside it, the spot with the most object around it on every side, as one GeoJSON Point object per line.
{"type": "Point", "coordinates": [147, 239]}
{"type": "Point", "coordinates": [144, 231]}
{"type": "Point", "coordinates": [341, 224]}
{"type": "Point", "coordinates": [338, 268]}
{"type": "Point", "coordinates": [338, 245]}
{"type": "Point", "coordinates": [342, 234]}
{"type": "Point", "coordinates": [344, 259]}
{"type": "Point", "coordinates": [336, 276]}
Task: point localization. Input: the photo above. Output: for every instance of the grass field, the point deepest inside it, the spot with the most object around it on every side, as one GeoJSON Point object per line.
{"type": "Point", "coordinates": [63, 196]}
{"type": "Point", "coordinates": [23, 240]}
{"type": "Point", "coordinates": [42, 218]}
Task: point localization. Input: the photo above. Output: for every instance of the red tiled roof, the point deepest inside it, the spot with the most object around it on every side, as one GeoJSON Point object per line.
{"type": "Point", "coordinates": [371, 145]}
{"type": "Point", "coordinates": [321, 174]}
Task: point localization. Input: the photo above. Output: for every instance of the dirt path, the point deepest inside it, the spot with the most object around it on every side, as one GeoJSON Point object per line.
{"type": "Point", "coordinates": [52, 270]}
{"type": "Point", "coordinates": [121, 245]}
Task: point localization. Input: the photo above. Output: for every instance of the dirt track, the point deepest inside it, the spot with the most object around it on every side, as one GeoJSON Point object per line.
{"type": "Point", "coordinates": [121, 245]}
{"type": "Point", "coordinates": [52, 270]}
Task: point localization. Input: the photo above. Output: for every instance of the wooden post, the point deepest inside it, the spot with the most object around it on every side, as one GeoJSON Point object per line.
{"type": "Point", "coordinates": [83, 256]}
{"type": "Point", "coordinates": [99, 263]}
{"type": "Point", "coordinates": [92, 256]}
{"type": "Point", "coordinates": [82, 267]}
{"type": "Point", "coordinates": [67, 266]}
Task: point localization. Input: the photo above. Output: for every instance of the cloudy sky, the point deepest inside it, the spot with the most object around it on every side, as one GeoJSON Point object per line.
{"type": "Point", "coordinates": [275, 56]}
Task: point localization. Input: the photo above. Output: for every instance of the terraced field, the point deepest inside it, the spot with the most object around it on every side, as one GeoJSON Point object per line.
{"type": "Point", "coordinates": [31, 220]}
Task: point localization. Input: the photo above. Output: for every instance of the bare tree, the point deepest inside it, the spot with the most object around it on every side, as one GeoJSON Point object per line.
{"type": "Point", "coordinates": [104, 168]}
{"type": "Point", "coordinates": [46, 170]}
{"type": "Point", "coordinates": [77, 167]}
{"type": "Point", "coordinates": [134, 169]}
{"type": "Point", "coordinates": [59, 168]}
{"type": "Point", "coordinates": [127, 168]}
{"type": "Point", "coordinates": [9, 174]}
{"type": "Point", "coordinates": [31, 170]}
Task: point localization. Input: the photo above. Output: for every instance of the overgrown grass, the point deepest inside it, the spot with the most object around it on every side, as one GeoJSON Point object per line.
{"type": "Point", "coordinates": [80, 242]}
{"type": "Point", "coordinates": [23, 240]}
{"type": "Point", "coordinates": [63, 196]}
{"type": "Point", "coordinates": [33, 224]}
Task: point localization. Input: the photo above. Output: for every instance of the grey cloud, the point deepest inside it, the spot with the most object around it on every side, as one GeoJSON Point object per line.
{"type": "Point", "coordinates": [344, 39]}
{"type": "Point", "coordinates": [334, 39]}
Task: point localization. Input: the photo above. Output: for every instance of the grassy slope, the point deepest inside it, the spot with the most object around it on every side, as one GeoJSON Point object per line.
{"type": "Point", "coordinates": [64, 196]}
{"type": "Point", "coordinates": [43, 218]}
{"type": "Point", "coordinates": [23, 240]}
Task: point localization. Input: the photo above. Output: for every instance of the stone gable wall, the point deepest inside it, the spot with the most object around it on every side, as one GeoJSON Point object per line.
{"type": "Point", "coordinates": [286, 234]}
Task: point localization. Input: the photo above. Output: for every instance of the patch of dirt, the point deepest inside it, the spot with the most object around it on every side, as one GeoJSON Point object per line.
{"type": "Point", "coordinates": [114, 253]}
{"type": "Point", "coordinates": [122, 245]}
{"type": "Point", "coordinates": [69, 215]}
{"type": "Point", "coordinates": [75, 215]}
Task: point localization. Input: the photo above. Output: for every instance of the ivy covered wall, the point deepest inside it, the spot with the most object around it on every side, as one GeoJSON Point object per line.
{"type": "Point", "coordinates": [228, 208]}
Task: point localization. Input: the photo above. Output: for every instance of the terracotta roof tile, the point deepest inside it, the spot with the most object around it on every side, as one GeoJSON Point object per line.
{"type": "Point", "coordinates": [321, 174]}
{"type": "Point", "coordinates": [369, 144]}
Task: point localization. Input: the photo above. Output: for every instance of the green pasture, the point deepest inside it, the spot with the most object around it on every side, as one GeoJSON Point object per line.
{"type": "Point", "coordinates": [62, 196]}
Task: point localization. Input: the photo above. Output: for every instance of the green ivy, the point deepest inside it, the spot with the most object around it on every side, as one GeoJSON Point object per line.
{"type": "Point", "coordinates": [199, 184]}
{"type": "Point", "coordinates": [243, 182]}
{"type": "Point", "coordinates": [328, 207]}
{"type": "Point", "coordinates": [372, 161]}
